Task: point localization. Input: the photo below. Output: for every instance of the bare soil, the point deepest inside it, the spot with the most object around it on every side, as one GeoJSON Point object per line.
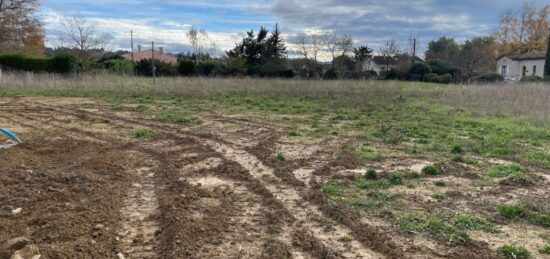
{"type": "Point", "coordinates": [87, 188]}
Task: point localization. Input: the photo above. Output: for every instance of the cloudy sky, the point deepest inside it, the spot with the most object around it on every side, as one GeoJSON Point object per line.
{"type": "Point", "coordinates": [370, 22]}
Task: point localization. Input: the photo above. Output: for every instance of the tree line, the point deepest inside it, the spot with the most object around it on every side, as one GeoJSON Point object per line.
{"type": "Point", "coordinates": [264, 53]}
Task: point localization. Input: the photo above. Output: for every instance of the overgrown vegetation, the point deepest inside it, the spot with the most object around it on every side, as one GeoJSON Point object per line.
{"type": "Point", "coordinates": [514, 252]}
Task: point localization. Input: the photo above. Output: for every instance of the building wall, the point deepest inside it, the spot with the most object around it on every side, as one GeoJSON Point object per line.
{"type": "Point", "coordinates": [515, 68]}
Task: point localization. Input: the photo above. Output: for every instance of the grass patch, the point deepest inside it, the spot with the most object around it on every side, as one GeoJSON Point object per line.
{"type": "Point", "coordinates": [440, 184]}
{"type": "Point", "coordinates": [545, 250]}
{"type": "Point", "coordinates": [280, 157]}
{"type": "Point", "coordinates": [346, 238]}
{"type": "Point", "coordinates": [416, 223]}
{"type": "Point", "coordinates": [371, 175]}
{"type": "Point", "coordinates": [514, 252]}
{"type": "Point", "coordinates": [333, 189]}
{"type": "Point", "coordinates": [503, 171]}
{"type": "Point", "coordinates": [511, 211]}
{"type": "Point", "coordinates": [143, 133]}
{"type": "Point", "coordinates": [430, 170]}
{"type": "Point", "coordinates": [438, 196]}
{"type": "Point", "coordinates": [470, 222]}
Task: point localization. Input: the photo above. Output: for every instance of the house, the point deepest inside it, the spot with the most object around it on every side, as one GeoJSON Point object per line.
{"type": "Point", "coordinates": [381, 64]}
{"type": "Point", "coordinates": [517, 66]}
{"type": "Point", "coordinates": [148, 54]}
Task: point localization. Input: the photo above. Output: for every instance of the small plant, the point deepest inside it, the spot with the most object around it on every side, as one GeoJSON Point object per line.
{"type": "Point", "coordinates": [470, 222]}
{"type": "Point", "coordinates": [346, 238]}
{"type": "Point", "coordinates": [280, 156]}
{"type": "Point", "coordinates": [514, 252]}
{"type": "Point", "coordinates": [371, 175]}
{"type": "Point", "coordinates": [415, 175]}
{"type": "Point", "coordinates": [143, 133]}
{"type": "Point", "coordinates": [430, 170]}
{"type": "Point", "coordinates": [501, 171]}
{"type": "Point", "coordinates": [457, 149]}
{"type": "Point", "coordinates": [396, 179]}
{"type": "Point", "coordinates": [440, 184]}
{"type": "Point", "coordinates": [332, 189]}
{"type": "Point", "coordinates": [545, 250]}
{"type": "Point", "coordinates": [511, 211]}
{"type": "Point", "coordinates": [293, 133]}
{"type": "Point", "coordinates": [438, 196]}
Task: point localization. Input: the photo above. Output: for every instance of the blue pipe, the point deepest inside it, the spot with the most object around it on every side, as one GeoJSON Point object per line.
{"type": "Point", "coordinates": [10, 134]}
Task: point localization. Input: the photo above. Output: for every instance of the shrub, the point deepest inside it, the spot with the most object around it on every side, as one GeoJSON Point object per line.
{"type": "Point", "coordinates": [280, 156]}
{"type": "Point", "coordinates": [65, 64]}
{"type": "Point", "coordinates": [487, 78]}
{"type": "Point", "coordinates": [396, 179]}
{"type": "Point", "coordinates": [371, 175]}
{"type": "Point", "coordinates": [288, 73]}
{"type": "Point", "coordinates": [545, 250]}
{"type": "Point", "coordinates": [415, 77]}
{"type": "Point", "coordinates": [440, 67]}
{"type": "Point", "coordinates": [510, 211]}
{"type": "Point", "coordinates": [457, 149]}
{"type": "Point", "coordinates": [206, 68]}
{"type": "Point", "coordinates": [430, 170]}
{"type": "Point", "coordinates": [145, 68]}
{"type": "Point", "coordinates": [514, 252]}
{"type": "Point", "coordinates": [186, 67]}
{"type": "Point", "coordinates": [527, 79]}
{"type": "Point", "coordinates": [431, 77]}
{"type": "Point", "coordinates": [440, 184]}
{"type": "Point", "coordinates": [119, 66]}
{"type": "Point", "coordinates": [445, 79]}
{"type": "Point", "coordinates": [21, 62]}
{"type": "Point", "coordinates": [393, 74]}
{"type": "Point", "coordinates": [420, 69]}
{"type": "Point", "coordinates": [143, 133]}
{"type": "Point", "coordinates": [330, 75]}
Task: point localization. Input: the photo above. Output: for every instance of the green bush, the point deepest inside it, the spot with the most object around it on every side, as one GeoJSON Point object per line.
{"type": "Point", "coordinates": [186, 67]}
{"type": "Point", "coordinates": [420, 69]}
{"type": "Point", "coordinates": [206, 68]}
{"type": "Point", "coordinates": [445, 79]}
{"type": "Point", "coordinates": [430, 170]}
{"type": "Point", "coordinates": [487, 78]}
{"type": "Point", "coordinates": [119, 66]}
{"type": "Point", "coordinates": [145, 68]}
{"type": "Point", "coordinates": [65, 64]}
{"type": "Point", "coordinates": [330, 75]}
{"type": "Point", "coordinates": [527, 79]}
{"type": "Point", "coordinates": [431, 78]}
{"type": "Point", "coordinates": [440, 67]}
{"type": "Point", "coordinates": [371, 175]}
{"type": "Point", "coordinates": [514, 252]}
{"type": "Point", "coordinates": [501, 171]}
{"type": "Point", "coordinates": [396, 179]}
{"type": "Point", "coordinates": [510, 211]}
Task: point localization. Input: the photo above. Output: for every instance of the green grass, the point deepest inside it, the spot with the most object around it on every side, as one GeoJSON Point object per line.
{"type": "Point", "coordinates": [440, 184]}
{"type": "Point", "coordinates": [470, 222]}
{"type": "Point", "coordinates": [371, 175]}
{"type": "Point", "coordinates": [416, 223]}
{"type": "Point", "coordinates": [143, 133]}
{"type": "Point", "coordinates": [502, 171]}
{"type": "Point", "coordinates": [430, 170]}
{"type": "Point", "coordinates": [514, 252]}
{"type": "Point", "coordinates": [333, 189]}
{"type": "Point", "coordinates": [280, 157]}
{"type": "Point", "coordinates": [545, 250]}
{"type": "Point", "coordinates": [511, 211]}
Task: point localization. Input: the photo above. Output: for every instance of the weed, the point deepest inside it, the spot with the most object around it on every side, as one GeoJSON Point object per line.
{"type": "Point", "coordinates": [250, 197]}
{"type": "Point", "coordinates": [333, 189]}
{"type": "Point", "coordinates": [514, 252]}
{"type": "Point", "coordinates": [469, 222]}
{"type": "Point", "coordinates": [440, 184]}
{"type": "Point", "coordinates": [438, 196]}
{"type": "Point", "coordinates": [414, 223]}
{"type": "Point", "coordinates": [346, 238]}
{"type": "Point", "coordinates": [371, 175]}
{"type": "Point", "coordinates": [143, 133]}
{"type": "Point", "coordinates": [430, 170]}
{"type": "Point", "coordinates": [280, 157]}
{"type": "Point", "coordinates": [293, 133]}
{"type": "Point", "coordinates": [461, 159]}
{"type": "Point", "coordinates": [415, 175]}
{"type": "Point", "coordinates": [396, 179]}
{"type": "Point", "coordinates": [545, 250]}
{"type": "Point", "coordinates": [501, 171]}
{"type": "Point", "coordinates": [456, 149]}
{"type": "Point", "coordinates": [511, 211]}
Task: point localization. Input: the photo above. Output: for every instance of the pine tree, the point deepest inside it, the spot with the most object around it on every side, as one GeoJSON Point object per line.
{"type": "Point", "coordinates": [547, 64]}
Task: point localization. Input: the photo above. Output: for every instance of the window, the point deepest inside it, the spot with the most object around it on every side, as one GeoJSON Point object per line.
{"type": "Point", "coordinates": [524, 73]}
{"type": "Point", "coordinates": [504, 70]}
{"type": "Point", "coordinates": [534, 70]}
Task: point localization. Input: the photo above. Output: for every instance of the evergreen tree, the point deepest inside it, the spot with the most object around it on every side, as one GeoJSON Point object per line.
{"type": "Point", "coordinates": [261, 48]}
{"type": "Point", "coordinates": [547, 64]}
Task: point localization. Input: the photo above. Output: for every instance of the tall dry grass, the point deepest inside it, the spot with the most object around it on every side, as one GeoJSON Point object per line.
{"type": "Point", "coordinates": [527, 100]}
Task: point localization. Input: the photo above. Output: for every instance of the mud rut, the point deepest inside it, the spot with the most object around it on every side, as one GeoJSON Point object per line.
{"type": "Point", "coordinates": [195, 195]}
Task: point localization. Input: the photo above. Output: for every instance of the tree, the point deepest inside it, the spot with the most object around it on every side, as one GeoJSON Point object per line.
{"type": "Point", "coordinates": [345, 45]}
{"type": "Point", "coordinates": [524, 30]}
{"type": "Point", "coordinates": [199, 41]}
{"type": "Point", "coordinates": [82, 34]}
{"type": "Point", "coordinates": [19, 28]}
{"type": "Point", "coordinates": [389, 51]}
{"type": "Point", "coordinates": [444, 48]}
{"type": "Point", "coordinates": [547, 63]}
{"type": "Point", "coordinates": [477, 56]}
{"type": "Point", "coordinates": [362, 52]}
{"type": "Point", "coordinates": [310, 45]}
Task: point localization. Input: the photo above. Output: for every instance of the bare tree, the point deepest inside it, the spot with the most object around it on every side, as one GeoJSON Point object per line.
{"type": "Point", "coordinates": [345, 44]}
{"type": "Point", "coordinates": [302, 40]}
{"type": "Point", "coordinates": [82, 34]}
{"type": "Point", "coordinates": [199, 42]}
{"type": "Point", "coordinates": [388, 52]}
{"type": "Point", "coordinates": [19, 26]}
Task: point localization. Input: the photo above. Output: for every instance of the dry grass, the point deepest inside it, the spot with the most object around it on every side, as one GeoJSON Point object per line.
{"type": "Point", "coordinates": [525, 100]}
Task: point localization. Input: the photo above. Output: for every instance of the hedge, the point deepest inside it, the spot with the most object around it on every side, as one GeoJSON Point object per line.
{"type": "Point", "coordinates": [63, 64]}
{"type": "Point", "coordinates": [487, 78]}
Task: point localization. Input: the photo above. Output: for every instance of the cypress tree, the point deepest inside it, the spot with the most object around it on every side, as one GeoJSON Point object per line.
{"type": "Point", "coordinates": [547, 63]}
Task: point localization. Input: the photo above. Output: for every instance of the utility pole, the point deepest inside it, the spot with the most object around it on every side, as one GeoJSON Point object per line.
{"type": "Point", "coordinates": [153, 58]}
{"type": "Point", "coordinates": [132, 43]}
{"type": "Point", "coordinates": [414, 51]}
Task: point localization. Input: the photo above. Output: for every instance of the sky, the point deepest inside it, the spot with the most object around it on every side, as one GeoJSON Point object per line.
{"type": "Point", "coordinates": [370, 22]}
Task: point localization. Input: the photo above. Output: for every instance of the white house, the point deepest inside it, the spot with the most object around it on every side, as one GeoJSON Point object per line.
{"type": "Point", "coordinates": [517, 66]}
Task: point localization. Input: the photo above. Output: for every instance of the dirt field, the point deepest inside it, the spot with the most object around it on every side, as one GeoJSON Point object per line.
{"type": "Point", "coordinates": [93, 181]}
